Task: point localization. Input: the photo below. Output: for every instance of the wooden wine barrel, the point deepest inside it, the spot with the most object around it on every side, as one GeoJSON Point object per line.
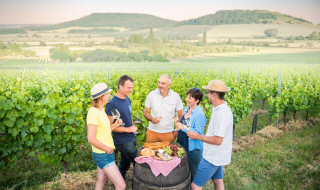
{"type": "Point", "coordinates": [178, 179]}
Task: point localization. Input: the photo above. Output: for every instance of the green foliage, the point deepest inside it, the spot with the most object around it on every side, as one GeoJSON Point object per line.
{"type": "Point", "coordinates": [136, 39]}
{"type": "Point", "coordinates": [204, 38]}
{"type": "Point", "coordinates": [12, 31]}
{"type": "Point", "coordinates": [94, 30]}
{"type": "Point", "coordinates": [61, 52]}
{"type": "Point", "coordinates": [151, 36]}
{"type": "Point", "coordinates": [36, 36]}
{"type": "Point", "coordinates": [113, 56]}
{"type": "Point", "coordinates": [42, 43]}
{"type": "Point", "coordinates": [271, 32]}
{"type": "Point", "coordinates": [300, 38]}
{"type": "Point", "coordinates": [314, 36]}
{"type": "Point", "coordinates": [40, 120]}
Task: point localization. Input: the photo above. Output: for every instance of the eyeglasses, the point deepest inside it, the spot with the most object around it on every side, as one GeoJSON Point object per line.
{"type": "Point", "coordinates": [207, 92]}
{"type": "Point", "coordinates": [195, 89]}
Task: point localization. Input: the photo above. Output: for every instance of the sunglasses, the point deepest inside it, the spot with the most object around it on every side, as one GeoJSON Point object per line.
{"type": "Point", "coordinates": [207, 92]}
{"type": "Point", "coordinates": [195, 89]}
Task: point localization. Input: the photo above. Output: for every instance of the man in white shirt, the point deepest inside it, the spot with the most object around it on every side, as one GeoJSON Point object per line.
{"type": "Point", "coordinates": [217, 143]}
{"type": "Point", "coordinates": [163, 104]}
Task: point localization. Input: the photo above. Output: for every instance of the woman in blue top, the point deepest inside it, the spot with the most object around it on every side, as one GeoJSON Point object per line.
{"type": "Point", "coordinates": [198, 120]}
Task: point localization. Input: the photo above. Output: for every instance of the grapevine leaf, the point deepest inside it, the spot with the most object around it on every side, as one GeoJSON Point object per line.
{"type": "Point", "coordinates": [62, 150]}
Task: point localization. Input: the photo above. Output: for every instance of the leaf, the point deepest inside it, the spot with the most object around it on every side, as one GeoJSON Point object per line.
{"type": "Point", "coordinates": [69, 119]}
{"type": "Point", "coordinates": [74, 98]}
{"type": "Point", "coordinates": [8, 122]}
{"type": "Point", "coordinates": [31, 153]}
{"type": "Point", "coordinates": [48, 128]}
{"type": "Point", "coordinates": [14, 131]}
{"type": "Point", "coordinates": [47, 138]}
{"type": "Point", "coordinates": [66, 108]}
{"type": "Point", "coordinates": [76, 137]}
{"type": "Point", "coordinates": [34, 129]}
{"type": "Point", "coordinates": [19, 122]}
{"type": "Point", "coordinates": [51, 103]}
{"type": "Point", "coordinates": [55, 141]}
{"type": "Point", "coordinates": [62, 150]}
{"type": "Point", "coordinates": [52, 113]}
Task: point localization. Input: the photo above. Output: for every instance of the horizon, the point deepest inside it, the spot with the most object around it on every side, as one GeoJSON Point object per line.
{"type": "Point", "coordinates": [55, 12]}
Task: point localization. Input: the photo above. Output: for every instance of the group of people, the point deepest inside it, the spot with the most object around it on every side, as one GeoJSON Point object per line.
{"type": "Point", "coordinates": [206, 153]}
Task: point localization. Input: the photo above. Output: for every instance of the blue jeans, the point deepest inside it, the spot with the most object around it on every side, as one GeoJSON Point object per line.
{"type": "Point", "coordinates": [207, 171]}
{"type": "Point", "coordinates": [128, 154]}
{"type": "Point", "coordinates": [194, 158]}
{"type": "Point", "coordinates": [103, 160]}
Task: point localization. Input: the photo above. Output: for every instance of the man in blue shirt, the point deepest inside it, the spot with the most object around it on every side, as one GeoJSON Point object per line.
{"type": "Point", "coordinates": [123, 137]}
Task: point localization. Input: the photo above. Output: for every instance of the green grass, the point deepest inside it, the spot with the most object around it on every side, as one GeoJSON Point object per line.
{"type": "Point", "coordinates": [30, 172]}
{"type": "Point", "coordinates": [281, 163]}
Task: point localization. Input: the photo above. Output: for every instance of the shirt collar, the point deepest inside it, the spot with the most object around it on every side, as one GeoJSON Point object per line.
{"type": "Point", "coordinates": [167, 94]}
{"type": "Point", "coordinates": [215, 108]}
{"type": "Point", "coordinates": [193, 111]}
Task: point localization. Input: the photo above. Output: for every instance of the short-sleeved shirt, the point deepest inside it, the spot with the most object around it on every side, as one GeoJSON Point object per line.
{"type": "Point", "coordinates": [125, 110]}
{"type": "Point", "coordinates": [101, 120]}
{"type": "Point", "coordinates": [221, 124]}
{"type": "Point", "coordinates": [167, 105]}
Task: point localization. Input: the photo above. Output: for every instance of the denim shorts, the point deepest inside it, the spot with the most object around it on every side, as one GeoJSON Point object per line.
{"type": "Point", "coordinates": [207, 171]}
{"type": "Point", "coordinates": [103, 160]}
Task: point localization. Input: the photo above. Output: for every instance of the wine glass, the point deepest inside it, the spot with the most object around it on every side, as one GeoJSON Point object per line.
{"type": "Point", "coordinates": [175, 118]}
{"type": "Point", "coordinates": [187, 124]}
{"type": "Point", "coordinates": [137, 122]}
{"type": "Point", "coordinates": [157, 115]}
{"type": "Point", "coordinates": [116, 115]}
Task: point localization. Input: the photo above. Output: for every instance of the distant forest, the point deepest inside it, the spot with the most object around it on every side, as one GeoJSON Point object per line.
{"type": "Point", "coordinates": [237, 17]}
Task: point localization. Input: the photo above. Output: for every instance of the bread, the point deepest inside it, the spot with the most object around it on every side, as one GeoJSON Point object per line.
{"type": "Point", "coordinates": [147, 152]}
{"type": "Point", "coordinates": [156, 145]}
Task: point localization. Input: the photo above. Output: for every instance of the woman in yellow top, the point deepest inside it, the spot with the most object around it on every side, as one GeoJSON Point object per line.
{"type": "Point", "coordinates": [99, 136]}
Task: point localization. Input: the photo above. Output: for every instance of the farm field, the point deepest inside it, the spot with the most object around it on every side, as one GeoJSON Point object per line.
{"type": "Point", "coordinates": [252, 30]}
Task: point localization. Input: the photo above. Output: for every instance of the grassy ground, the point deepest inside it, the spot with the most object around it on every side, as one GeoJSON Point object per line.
{"type": "Point", "coordinates": [289, 162]}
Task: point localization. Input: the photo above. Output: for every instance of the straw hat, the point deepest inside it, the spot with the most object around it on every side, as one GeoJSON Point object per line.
{"type": "Point", "coordinates": [216, 86]}
{"type": "Point", "coordinates": [99, 90]}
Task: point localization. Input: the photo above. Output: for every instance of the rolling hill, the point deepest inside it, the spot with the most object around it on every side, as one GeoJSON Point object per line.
{"type": "Point", "coordinates": [143, 21]}
{"type": "Point", "coordinates": [243, 17]}
{"type": "Point", "coordinates": [127, 20]}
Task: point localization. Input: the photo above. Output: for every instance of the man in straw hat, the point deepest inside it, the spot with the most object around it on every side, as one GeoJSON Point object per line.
{"type": "Point", "coordinates": [124, 138]}
{"type": "Point", "coordinates": [217, 143]}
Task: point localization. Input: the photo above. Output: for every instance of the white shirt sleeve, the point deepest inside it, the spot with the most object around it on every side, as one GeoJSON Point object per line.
{"type": "Point", "coordinates": [220, 126]}
{"type": "Point", "coordinates": [179, 105]}
{"type": "Point", "coordinates": [148, 101]}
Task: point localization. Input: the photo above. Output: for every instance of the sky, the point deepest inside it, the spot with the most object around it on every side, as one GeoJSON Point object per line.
{"type": "Point", "coordinates": [57, 11]}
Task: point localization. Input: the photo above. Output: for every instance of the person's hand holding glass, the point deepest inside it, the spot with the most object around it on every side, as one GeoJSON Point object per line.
{"type": "Point", "coordinates": [116, 115]}
{"type": "Point", "coordinates": [186, 124]}
{"type": "Point", "coordinates": [175, 118]}
{"type": "Point", "coordinates": [157, 116]}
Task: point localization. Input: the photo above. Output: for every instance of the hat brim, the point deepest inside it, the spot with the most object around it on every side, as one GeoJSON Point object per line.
{"type": "Point", "coordinates": [101, 94]}
{"type": "Point", "coordinates": [227, 89]}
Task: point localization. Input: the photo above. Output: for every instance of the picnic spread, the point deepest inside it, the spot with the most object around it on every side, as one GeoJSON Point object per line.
{"type": "Point", "coordinates": [162, 157]}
